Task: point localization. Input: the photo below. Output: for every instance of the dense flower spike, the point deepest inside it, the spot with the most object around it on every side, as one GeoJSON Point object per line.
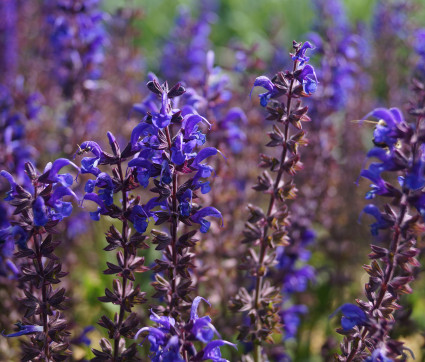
{"type": "Point", "coordinates": [158, 157]}
{"type": "Point", "coordinates": [269, 229]}
{"type": "Point", "coordinates": [292, 271]}
{"type": "Point", "coordinates": [101, 191]}
{"type": "Point", "coordinates": [167, 141]}
{"type": "Point", "coordinates": [40, 207]}
{"type": "Point", "coordinates": [392, 268]}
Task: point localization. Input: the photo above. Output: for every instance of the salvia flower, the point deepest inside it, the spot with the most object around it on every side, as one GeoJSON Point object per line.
{"type": "Point", "coordinates": [367, 326]}
{"type": "Point", "coordinates": [268, 85]}
{"type": "Point", "coordinates": [39, 207]}
{"type": "Point", "coordinates": [352, 315]}
{"type": "Point", "coordinates": [269, 229]}
{"type": "Point", "coordinates": [166, 338]}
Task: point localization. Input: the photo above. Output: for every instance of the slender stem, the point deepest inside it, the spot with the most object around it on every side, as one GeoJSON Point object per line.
{"type": "Point", "coordinates": [393, 250]}
{"type": "Point", "coordinates": [173, 231]}
{"type": "Point", "coordinates": [43, 309]}
{"type": "Point", "coordinates": [257, 353]}
{"type": "Point", "coordinates": [173, 226]}
{"type": "Point", "coordinates": [264, 242]}
{"type": "Point", "coordinates": [126, 255]}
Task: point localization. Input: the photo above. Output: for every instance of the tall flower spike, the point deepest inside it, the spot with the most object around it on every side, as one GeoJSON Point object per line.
{"type": "Point", "coordinates": [269, 229]}
{"type": "Point", "coordinates": [367, 327]}
{"type": "Point", "coordinates": [100, 191]}
{"type": "Point", "coordinates": [170, 154]}
{"type": "Point", "coordinates": [160, 157]}
{"type": "Point", "coordinates": [40, 208]}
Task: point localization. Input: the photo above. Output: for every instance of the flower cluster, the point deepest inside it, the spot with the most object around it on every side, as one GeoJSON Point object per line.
{"type": "Point", "coordinates": [171, 340]}
{"type": "Point", "coordinates": [126, 294]}
{"type": "Point", "coordinates": [208, 87]}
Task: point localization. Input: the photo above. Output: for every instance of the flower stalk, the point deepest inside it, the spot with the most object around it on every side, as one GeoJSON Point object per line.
{"type": "Point", "coordinates": [270, 229]}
